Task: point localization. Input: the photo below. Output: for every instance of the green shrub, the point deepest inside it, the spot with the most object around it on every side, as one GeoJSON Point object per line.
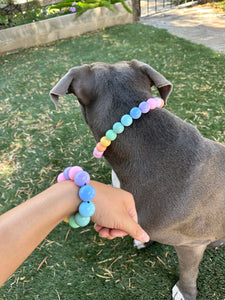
{"type": "Point", "coordinates": [35, 13]}
{"type": "Point", "coordinates": [81, 6]}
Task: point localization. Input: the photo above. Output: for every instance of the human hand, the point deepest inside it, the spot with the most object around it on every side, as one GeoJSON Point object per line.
{"type": "Point", "coordinates": [115, 213]}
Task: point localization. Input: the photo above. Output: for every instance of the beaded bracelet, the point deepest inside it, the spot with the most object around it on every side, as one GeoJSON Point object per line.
{"type": "Point", "coordinates": [86, 194]}
{"type": "Point", "coordinates": [126, 120]}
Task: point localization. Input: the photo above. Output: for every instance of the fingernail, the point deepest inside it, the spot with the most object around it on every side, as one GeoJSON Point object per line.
{"type": "Point", "coordinates": [145, 237]}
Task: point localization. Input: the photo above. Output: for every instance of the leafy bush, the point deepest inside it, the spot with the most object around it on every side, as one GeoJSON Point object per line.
{"type": "Point", "coordinates": [34, 12]}
{"type": "Point", "coordinates": [219, 4]}
{"type": "Point", "coordinates": [82, 6]}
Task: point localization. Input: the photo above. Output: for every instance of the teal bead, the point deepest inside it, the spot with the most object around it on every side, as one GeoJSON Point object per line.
{"type": "Point", "coordinates": [118, 127]}
{"type": "Point", "coordinates": [126, 120]}
{"type": "Point", "coordinates": [87, 209]}
{"type": "Point", "coordinates": [72, 222]}
{"type": "Point", "coordinates": [111, 135]}
{"type": "Point", "coordinates": [81, 221]}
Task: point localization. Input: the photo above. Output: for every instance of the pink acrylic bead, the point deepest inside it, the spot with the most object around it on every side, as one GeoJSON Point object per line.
{"type": "Point", "coordinates": [73, 171]}
{"type": "Point", "coordinates": [97, 153]}
{"type": "Point", "coordinates": [152, 103]}
{"type": "Point", "coordinates": [60, 178]}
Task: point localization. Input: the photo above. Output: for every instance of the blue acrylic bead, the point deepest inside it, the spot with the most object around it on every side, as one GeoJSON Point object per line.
{"type": "Point", "coordinates": [72, 222]}
{"type": "Point", "coordinates": [118, 127]}
{"type": "Point", "coordinates": [135, 113]}
{"type": "Point", "coordinates": [87, 193]}
{"type": "Point", "coordinates": [81, 221]}
{"type": "Point", "coordinates": [144, 107]}
{"type": "Point", "coordinates": [111, 135]}
{"type": "Point", "coordinates": [126, 120]}
{"type": "Point", "coordinates": [81, 178]}
{"type": "Point", "coordinates": [66, 173]}
{"type": "Point", "coordinates": [87, 209]}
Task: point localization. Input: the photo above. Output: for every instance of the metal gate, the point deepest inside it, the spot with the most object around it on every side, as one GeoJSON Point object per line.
{"type": "Point", "coordinates": [149, 7]}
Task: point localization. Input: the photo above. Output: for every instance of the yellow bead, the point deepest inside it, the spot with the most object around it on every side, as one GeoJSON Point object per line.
{"type": "Point", "coordinates": [66, 220]}
{"type": "Point", "coordinates": [105, 142]}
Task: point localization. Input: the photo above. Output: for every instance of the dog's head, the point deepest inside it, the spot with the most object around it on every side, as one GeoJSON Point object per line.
{"type": "Point", "coordinates": [102, 89]}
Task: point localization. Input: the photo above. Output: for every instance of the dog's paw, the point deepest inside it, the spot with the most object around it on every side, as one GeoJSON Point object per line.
{"type": "Point", "coordinates": [140, 245]}
{"type": "Point", "coordinates": [176, 293]}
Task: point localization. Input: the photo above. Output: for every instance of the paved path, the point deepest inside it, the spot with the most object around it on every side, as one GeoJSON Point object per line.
{"type": "Point", "coordinates": [199, 24]}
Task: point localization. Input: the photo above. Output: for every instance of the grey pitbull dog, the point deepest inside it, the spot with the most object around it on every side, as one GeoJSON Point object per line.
{"type": "Point", "coordinates": [176, 175]}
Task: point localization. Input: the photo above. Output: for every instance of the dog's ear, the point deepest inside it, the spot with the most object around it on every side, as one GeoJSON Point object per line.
{"type": "Point", "coordinates": [163, 85]}
{"type": "Point", "coordinates": [79, 81]}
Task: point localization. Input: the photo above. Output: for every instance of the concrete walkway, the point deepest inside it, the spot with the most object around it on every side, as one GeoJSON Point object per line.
{"type": "Point", "coordinates": [199, 24]}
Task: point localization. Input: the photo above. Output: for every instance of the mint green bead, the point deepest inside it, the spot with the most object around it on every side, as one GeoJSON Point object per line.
{"type": "Point", "coordinates": [81, 221]}
{"type": "Point", "coordinates": [72, 222]}
{"type": "Point", "coordinates": [118, 127]}
{"type": "Point", "coordinates": [111, 135]}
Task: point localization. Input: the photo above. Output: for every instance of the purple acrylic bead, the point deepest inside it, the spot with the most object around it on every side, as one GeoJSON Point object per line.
{"type": "Point", "coordinates": [66, 173]}
{"type": "Point", "coordinates": [81, 178]}
{"type": "Point", "coordinates": [87, 193]}
{"type": "Point", "coordinates": [144, 107]}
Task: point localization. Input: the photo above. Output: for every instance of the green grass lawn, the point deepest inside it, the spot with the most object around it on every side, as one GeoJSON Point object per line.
{"type": "Point", "coordinates": [37, 142]}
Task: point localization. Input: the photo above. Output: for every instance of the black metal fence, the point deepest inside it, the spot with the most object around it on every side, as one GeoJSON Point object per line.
{"type": "Point", "coordinates": [149, 7]}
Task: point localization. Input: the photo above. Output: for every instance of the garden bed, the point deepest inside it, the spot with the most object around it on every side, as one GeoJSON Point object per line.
{"type": "Point", "coordinates": [43, 32]}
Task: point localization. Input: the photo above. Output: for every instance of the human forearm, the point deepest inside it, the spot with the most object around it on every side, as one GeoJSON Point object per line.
{"type": "Point", "coordinates": [25, 226]}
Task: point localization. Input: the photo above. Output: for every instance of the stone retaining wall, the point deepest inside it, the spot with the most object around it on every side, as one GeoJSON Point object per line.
{"type": "Point", "coordinates": [43, 32]}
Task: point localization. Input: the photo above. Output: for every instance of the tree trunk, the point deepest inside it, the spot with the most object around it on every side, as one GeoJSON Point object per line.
{"type": "Point", "coordinates": [136, 9]}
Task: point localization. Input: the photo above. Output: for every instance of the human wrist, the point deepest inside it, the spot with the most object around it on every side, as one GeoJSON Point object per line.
{"type": "Point", "coordinates": [69, 196]}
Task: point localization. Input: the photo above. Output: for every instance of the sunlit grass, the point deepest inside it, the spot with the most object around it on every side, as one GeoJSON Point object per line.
{"type": "Point", "coordinates": [37, 142]}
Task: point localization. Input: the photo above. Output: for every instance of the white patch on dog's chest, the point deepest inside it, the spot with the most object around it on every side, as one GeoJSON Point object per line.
{"type": "Point", "coordinates": [115, 180]}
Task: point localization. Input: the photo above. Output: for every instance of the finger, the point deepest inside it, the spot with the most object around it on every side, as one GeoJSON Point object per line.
{"type": "Point", "coordinates": [135, 230]}
{"type": "Point", "coordinates": [104, 235]}
{"type": "Point", "coordinates": [97, 227]}
{"type": "Point", "coordinates": [133, 213]}
{"type": "Point", "coordinates": [117, 233]}
{"type": "Point", "coordinates": [104, 232]}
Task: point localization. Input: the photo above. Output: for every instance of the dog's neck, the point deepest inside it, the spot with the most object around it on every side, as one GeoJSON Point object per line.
{"type": "Point", "coordinates": [126, 120]}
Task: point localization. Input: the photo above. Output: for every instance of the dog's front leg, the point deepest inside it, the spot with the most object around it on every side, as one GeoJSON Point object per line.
{"type": "Point", "coordinates": [189, 258]}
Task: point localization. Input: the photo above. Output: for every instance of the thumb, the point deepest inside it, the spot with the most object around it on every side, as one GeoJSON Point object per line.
{"type": "Point", "coordinates": [136, 231]}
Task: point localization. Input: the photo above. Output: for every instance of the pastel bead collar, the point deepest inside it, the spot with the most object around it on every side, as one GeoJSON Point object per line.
{"type": "Point", "coordinates": [126, 120]}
